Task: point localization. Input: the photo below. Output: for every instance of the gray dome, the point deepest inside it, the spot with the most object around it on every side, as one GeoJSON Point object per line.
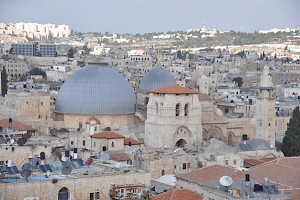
{"type": "Point", "coordinates": [156, 78]}
{"type": "Point", "coordinates": [97, 90]}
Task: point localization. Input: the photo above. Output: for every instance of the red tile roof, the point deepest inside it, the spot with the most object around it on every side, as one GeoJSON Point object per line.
{"type": "Point", "coordinates": [178, 194]}
{"type": "Point", "coordinates": [17, 125]}
{"type": "Point", "coordinates": [174, 89]}
{"type": "Point", "coordinates": [254, 162]}
{"type": "Point", "coordinates": [133, 141]}
{"type": "Point", "coordinates": [107, 135]}
{"type": "Point", "coordinates": [207, 175]}
{"type": "Point", "coordinates": [119, 156]}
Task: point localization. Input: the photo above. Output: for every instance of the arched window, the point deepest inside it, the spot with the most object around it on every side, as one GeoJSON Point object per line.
{"type": "Point", "coordinates": [63, 194]}
{"type": "Point", "coordinates": [177, 109]}
{"type": "Point", "coordinates": [146, 100]}
{"type": "Point", "coordinates": [186, 109]}
{"type": "Point", "coordinates": [156, 108]}
{"type": "Point", "coordinates": [112, 144]}
{"type": "Point", "coordinates": [163, 172]}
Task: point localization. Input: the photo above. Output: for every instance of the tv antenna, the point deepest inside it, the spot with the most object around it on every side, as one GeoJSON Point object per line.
{"type": "Point", "coordinates": [226, 181]}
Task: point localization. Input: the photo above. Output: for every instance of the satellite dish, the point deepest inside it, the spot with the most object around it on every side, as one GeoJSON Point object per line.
{"type": "Point", "coordinates": [158, 189]}
{"type": "Point", "coordinates": [89, 161]}
{"type": "Point", "coordinates": [1, 174]}
{"type": "Point", "coordinates": [66, 170]}
{"type": "Point", "coordinates": [53, 132]}
{"type": "Point", "coordinates": [26, 166]}
{"type": "Point", "coordinates": [103, 156]}
{"type": "Point", "coordinates": [56, 165]}
{"type": "Point", "coordinates": [26, 173]}
{"type": "Point", "coordinates": [226, 181]}
{"type": "Point", "coordinates": [21, 141]}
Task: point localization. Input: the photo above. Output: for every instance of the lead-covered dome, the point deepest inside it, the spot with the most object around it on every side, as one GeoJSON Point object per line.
{"type": "Point", "coordinates": [156, 78]}
{"type": "Point", "coordinates": [96, 90]}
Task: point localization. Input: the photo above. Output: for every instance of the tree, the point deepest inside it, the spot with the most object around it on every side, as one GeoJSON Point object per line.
{"type": "Point", "coordinates": [3, 82]}
{"type": "Point", "coordinates": [37, 71]}
{"type": "Point", "coordinates": [238, 80]}
{"type": "Point", "coordinates": [291, 141]}
{"type": "Point", "coordinates": [70, 53]}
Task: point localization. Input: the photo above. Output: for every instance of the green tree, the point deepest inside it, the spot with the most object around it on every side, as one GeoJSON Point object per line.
{"type": "Point", "coordinates": [70, 53]}
{"type": "Point", "coordinates": [238, 80]}
{"type": "Point", "coordinates": [291, 141]}
{"type": "Point", "coordinates": [37, 71]}
{"type": "Point", "coordinates": [3, 82]}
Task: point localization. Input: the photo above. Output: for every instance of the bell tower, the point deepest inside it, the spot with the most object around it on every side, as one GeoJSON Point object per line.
{"type": "Point", "coordinates": [265, 108]}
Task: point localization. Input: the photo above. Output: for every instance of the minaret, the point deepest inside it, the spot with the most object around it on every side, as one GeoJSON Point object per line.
{"type": "Point", "coordinates": [265, 108]}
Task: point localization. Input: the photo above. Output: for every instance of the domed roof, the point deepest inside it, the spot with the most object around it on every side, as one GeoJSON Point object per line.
{"type": "Point", "coordinates": [156, 78]}
{"type": "Point", "coordinates": [96, 90]}
{"type": "Point", "coordinates": [92, 120]}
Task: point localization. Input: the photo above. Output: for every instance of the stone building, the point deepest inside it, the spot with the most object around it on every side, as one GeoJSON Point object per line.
{"type": "Point", "coordinates": [173, 117]}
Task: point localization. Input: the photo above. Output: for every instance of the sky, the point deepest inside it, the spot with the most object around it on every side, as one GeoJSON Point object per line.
{"type": "Point", "coordinates": [142, 16]}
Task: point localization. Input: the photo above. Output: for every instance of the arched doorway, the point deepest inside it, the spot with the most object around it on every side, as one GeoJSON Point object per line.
{"type": "Point", "coordinates": [63, 194]}
{"type": "Point", "coordinates": [180, 143]}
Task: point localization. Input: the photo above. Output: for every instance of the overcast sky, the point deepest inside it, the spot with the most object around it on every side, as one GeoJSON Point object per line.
{"type": "Point", "coordinates": [140, 16]}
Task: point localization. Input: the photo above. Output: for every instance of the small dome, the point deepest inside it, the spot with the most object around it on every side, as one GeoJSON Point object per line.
{"type": "Point", "coordinates": [156, 78]}
{"type": "Point", "coordinates": [96, 90]}
{"type": "Point", "coordinates": [92, 120]}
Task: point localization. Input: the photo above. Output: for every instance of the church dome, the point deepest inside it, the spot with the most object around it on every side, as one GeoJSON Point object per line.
{"type": "Point", "coordinates": [96, 90]}
{"type": "Point", "coordinates": [156, 78]}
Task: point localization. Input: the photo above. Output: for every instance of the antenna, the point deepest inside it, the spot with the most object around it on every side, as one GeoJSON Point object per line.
{"type": "Point", "coordinates": [158, 189]}
{"type": "Point", "coordinates": [103, 156]}
{"type": "Point", "coordinates": [21, 141]}
{"type": "Point", "coordinates": [226, 181]}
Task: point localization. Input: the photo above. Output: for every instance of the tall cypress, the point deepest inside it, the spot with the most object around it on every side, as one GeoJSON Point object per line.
{"type": "Point", "coordinates": [291, 141]}
{"type": "Point", "coordinates": [3, 82]}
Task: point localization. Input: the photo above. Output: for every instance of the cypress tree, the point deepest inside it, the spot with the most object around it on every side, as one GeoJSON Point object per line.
{"type": "Point", "coordinates": [291, 141]}
{"type": "Point", "coordinates": [3, 82]}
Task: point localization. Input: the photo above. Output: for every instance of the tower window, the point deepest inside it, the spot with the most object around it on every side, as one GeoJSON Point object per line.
{"type": "Point", "coordinates": [186, 110]}
{"type": "Point", "coordinates": [112, 144]}
{"type": "Point", "coordinates": [177, 109]}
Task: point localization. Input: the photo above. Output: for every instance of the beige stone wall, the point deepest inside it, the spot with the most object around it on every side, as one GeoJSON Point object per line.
{"type": "Point", "coordinates": [79, 188]}
{"type": "Point", "coordinates": [113, 121]}
{"type": "Point", "coordinates": [155, 167]}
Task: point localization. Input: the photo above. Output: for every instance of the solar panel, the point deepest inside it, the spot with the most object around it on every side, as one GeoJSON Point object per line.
{"type": "Point", "coordinates": [15, 169]}
{"type": "Point", "coordinates": [48, 168]}
{"type": "Point", "coordinates": [271, 189]}
{"type": "Point", "coordinates": [9, 170]}
{"type": "Point", "coordinates": [80, 162]}
{"type": "Point", "coordinates": [76, 165]}
{"type": "Point", "coordinates": [42, 168]}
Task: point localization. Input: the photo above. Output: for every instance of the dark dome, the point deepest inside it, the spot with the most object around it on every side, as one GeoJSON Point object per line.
{"type": "Point", "coordinates": [156, 78]}
{"type": "Point", "coordinates": [96, 90]}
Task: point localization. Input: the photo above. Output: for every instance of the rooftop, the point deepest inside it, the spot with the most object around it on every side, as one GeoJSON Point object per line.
{"type": "Point", "coordinates": [178, 194]}
{"type": "Point", "coordinates": [107, 135]}
{"type": "Point", "coordinates": [174, 89]}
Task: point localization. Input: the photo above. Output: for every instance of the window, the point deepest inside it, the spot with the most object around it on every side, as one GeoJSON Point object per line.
{"type": "Point", "coordinates": [163, 172]}
{"type": "Point", "coordinates": [186, 110]}
{"type": "Point", "coordinates": [112, 144]}
{"type": "Point", "coordinates": [41, 103]}
{"type": "Point", "coordinates": [91, 196]}
{"type": "Point", "coordinates": [83, 143]}
{"type": "Point", "coordinates": [122, 193]}
{"type": "Point", "coordinates": [97, 195]}
{"type": "Point", "coordinates": [177, 109]}
{"type": "Point", "coordinates": [95, 128]}
{"type": "Point", "coordinates": [156, 108]}
{"type": "Point", "coordinates": [234, 162]}
{"type": "Point", "coordinates": [226, 162]}
{"type": "Point", "coordinates": [72, 142]}
{"type": "Point", "coordinates": [184, 166]}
